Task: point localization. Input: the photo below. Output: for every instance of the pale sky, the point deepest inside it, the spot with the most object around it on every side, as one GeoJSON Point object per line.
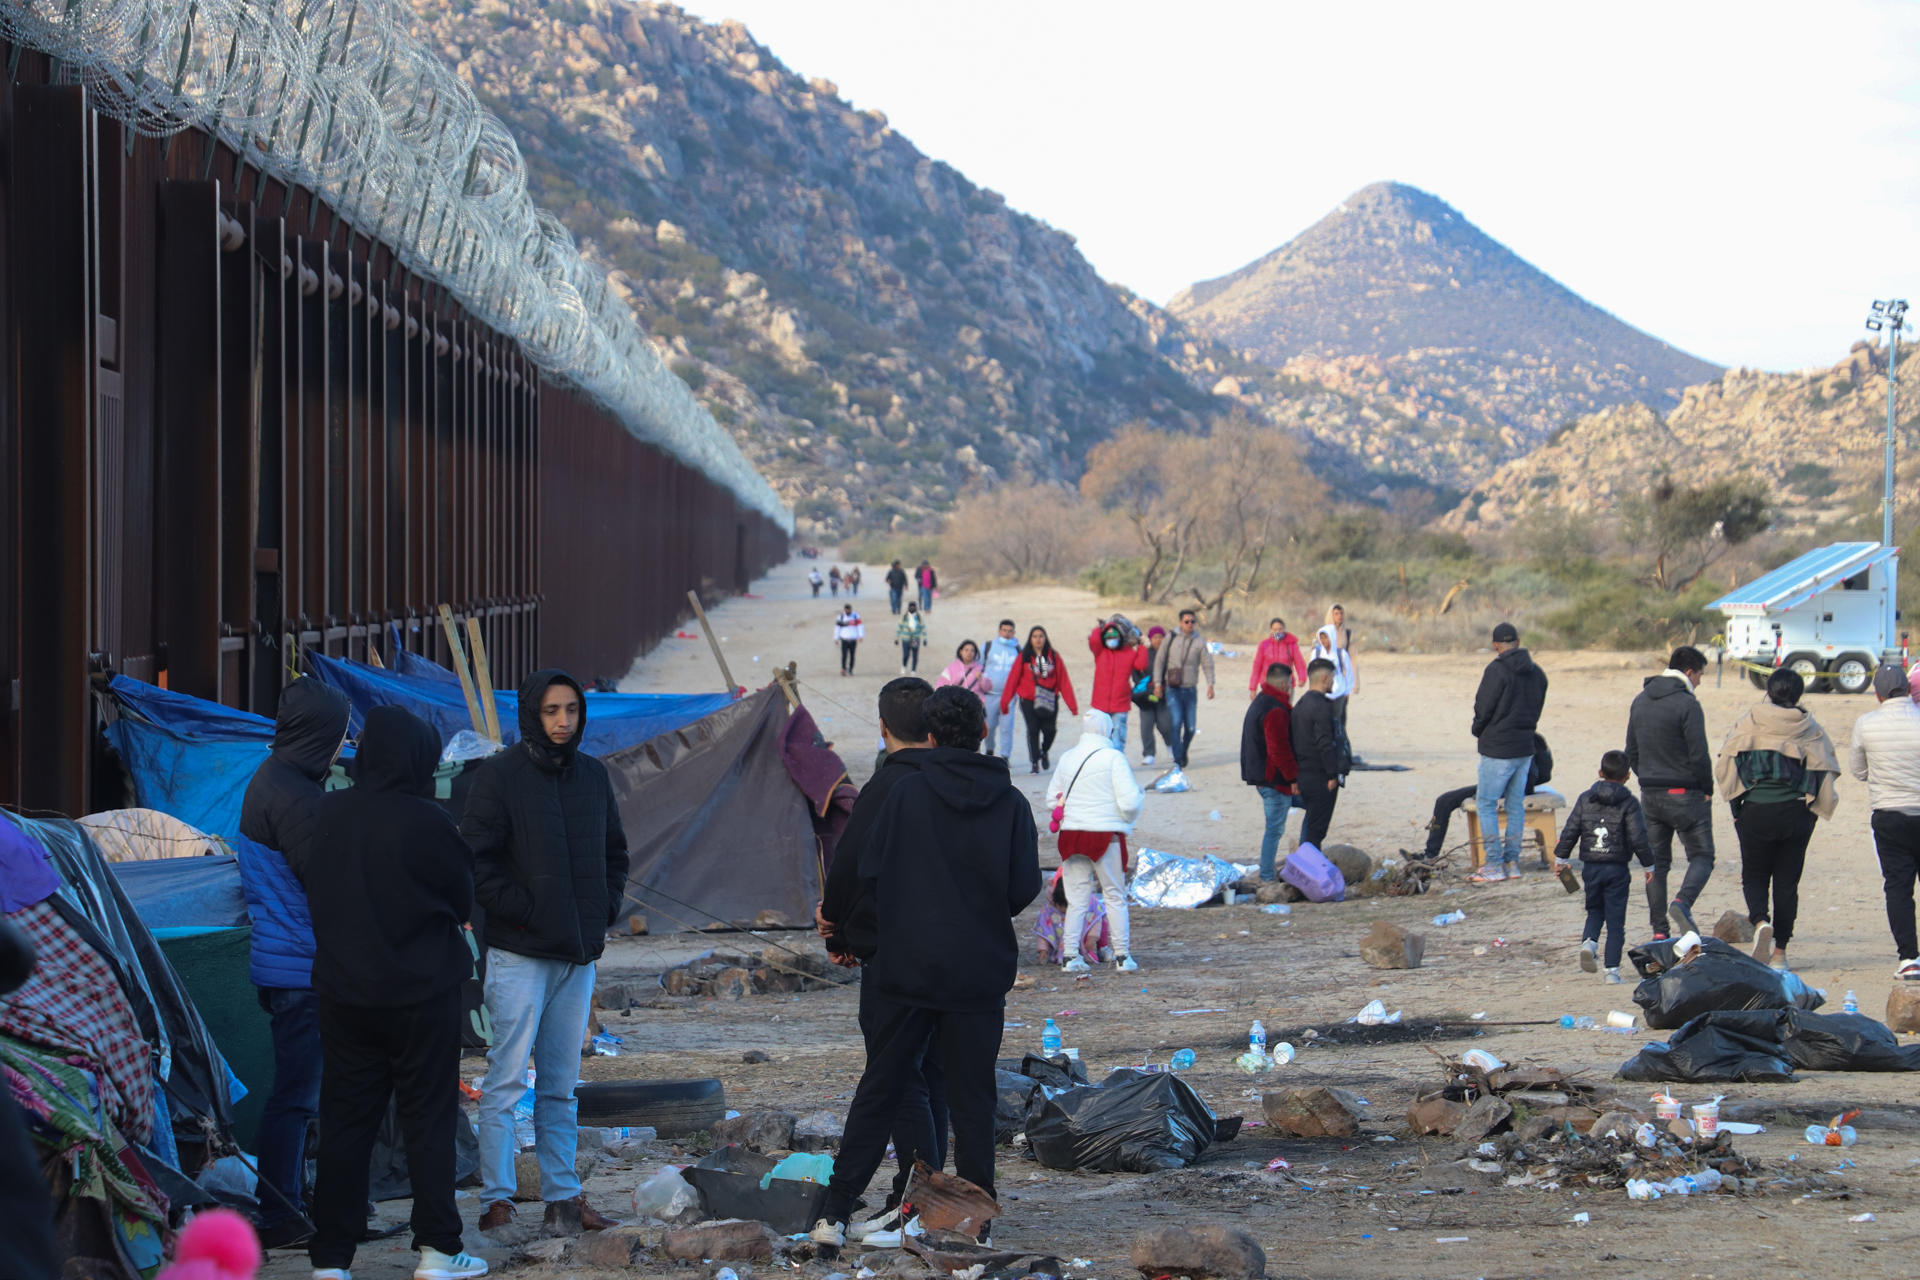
{"type": "Point", "coordinates": [1739, 179]}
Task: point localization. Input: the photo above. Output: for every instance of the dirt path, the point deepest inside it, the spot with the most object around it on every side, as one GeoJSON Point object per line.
{"type": "Point", "coordinates": [1360, 1207]}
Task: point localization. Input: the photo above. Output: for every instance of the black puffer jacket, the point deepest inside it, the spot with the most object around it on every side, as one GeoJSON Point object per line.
{"type": "Point", "coordinates": [1608, 826]}
{"type": "Point", "coordinates": [1667, 737]}
{"type": "Point", "coordinates": [1506, 710]}
{"type": "Point", "coordinates": [550, 855]}
{"type": "Point", "coordinates": [311, 725]}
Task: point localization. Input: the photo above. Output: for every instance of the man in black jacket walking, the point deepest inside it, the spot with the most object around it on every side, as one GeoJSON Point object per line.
{"type": "Point", "coordinates": [390, 886]}
{"type": "Point", "coordinates": [952, 857]}
{"type": "Point", "coordinates": [1668, 752]}
{"type": "Point", "coordinates": [849, 921]}
{"type": "Point", "coordinates": [309, 730]}
{"type": "Point", "coordinates": [1506, 711]}
{"type": "Point", "coordinates": [1320, 752]}
{"type": "Point", "coordinates": [550, 871]}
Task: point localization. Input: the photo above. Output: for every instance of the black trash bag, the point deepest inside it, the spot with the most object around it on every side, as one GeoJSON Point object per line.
{"type": "Point", "coordinates": [1134, 1122]}
{"type": "Point", "coordinates": [1058, 1072]}
{"type": "Point", "coordinates": [1737, 1046]}
{"type": "Point", "coordinates": [1842, 1042]}
{"type": "Point", "coordinates": [389, 1179]}
{"type": "Point", "coordinates": [1723, 978]}
{"type": "Point", "coordinates": [1014, 1097]}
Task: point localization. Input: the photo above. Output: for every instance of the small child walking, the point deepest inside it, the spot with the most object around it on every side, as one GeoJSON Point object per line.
{"type": "Point", "coordinates": [1607, 824]}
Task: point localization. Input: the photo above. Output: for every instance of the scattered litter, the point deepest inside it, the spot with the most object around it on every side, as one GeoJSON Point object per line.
{"type": "Point", "coordinates": [1450, 917]}
{"type": "Point", "coordinates": [1276, 909]}
{"type": "Point", "coordinates": [1275, 1166]}
{"type": "Point", "coordinates": [1213, 815]}
{"type": "Point", "coordinates": [606, 1044]}
{"type": "Point", "coordinates": [1171, 781]}
{"type": "Point", "coordinates": [1583, 1218]}
{"type": "Point", "coordinates": [1375, 1014]}
{"type": "Point", "coordinates": [1449, 1239]}
{"type": "Point", "coordinates": [1482, 1059]}
{"type": "Point", "coordinates": [1863, 1217]}
{"type": "Point", "coordinates": [1181, 1013]}
{"type": "Point", "coordinates": [1480, 1016]}
{"type": "Point", "coordinates": [1741, 1127]}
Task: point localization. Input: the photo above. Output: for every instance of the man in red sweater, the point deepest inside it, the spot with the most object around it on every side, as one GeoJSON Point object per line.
{"type": "Point", "coordinates": [1266, 757]}
{"type": "Point", "coordinates": [1120, 657]}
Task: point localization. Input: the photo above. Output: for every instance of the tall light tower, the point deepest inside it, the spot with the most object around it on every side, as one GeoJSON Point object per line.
{"type": "Point", "coordinates": [1890, 315]}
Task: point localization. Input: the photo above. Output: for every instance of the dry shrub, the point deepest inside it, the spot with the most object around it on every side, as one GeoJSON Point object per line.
{"type": "Point", "coordinates": [1023, 533]}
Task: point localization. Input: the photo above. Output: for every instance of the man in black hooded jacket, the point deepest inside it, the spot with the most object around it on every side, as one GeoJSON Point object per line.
{"type": "Point", "coordinates": [309, 728]}
{"type": "Point", "coordinates": [390, 886]}
{"type": "Point", "coordinates": [550, 871]}
{"type": "Point", "coordinates": [952, 857]}
{"type": "Point", "coordinates": [1506, 711]}
{"type": "Point", "coordinates": [1668, 752]}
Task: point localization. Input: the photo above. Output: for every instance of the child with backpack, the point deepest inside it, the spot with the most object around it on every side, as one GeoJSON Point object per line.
{"type": "Point", "coordinates": [1607, 824]}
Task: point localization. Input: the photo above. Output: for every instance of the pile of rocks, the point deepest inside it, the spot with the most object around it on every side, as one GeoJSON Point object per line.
{"type": "Point", "coordinates": [730, 975]}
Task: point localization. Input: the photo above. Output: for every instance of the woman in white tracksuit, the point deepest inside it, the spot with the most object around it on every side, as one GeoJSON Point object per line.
{"type": "Point", "coordinates": [1102, 802]}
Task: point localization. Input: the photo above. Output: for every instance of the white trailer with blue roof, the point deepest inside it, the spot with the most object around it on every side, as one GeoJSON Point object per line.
{"type": "Point", "coordinates": [1824, 614]}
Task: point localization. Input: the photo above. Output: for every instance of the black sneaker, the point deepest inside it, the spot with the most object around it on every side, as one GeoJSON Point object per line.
{"type": "Point", "coordinates": [290, 1234]}
{"type": "Point", "coordinates": [1678, 910]}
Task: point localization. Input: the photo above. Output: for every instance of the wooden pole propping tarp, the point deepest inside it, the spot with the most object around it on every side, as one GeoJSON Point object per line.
{"type": "Point", "coordinates": [458, 654]}
{"type": "Point", "coordinates": [483, 677]}
{"type": "Point", "coordinates": [693, 598]}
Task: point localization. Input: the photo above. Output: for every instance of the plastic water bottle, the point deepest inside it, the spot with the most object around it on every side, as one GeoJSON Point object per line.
{"type": "Point", "coordinates": [1257, 1039]}
{"type": "Point", "coordinates": [1182, 1060]}
{"type": "Point", "coordinates": [1695, 1184]}
{"type": "Point", "coordinates": [1821, 1136]}
{"type": "Point", "coordinates": [1050, 1040]}
{"type": "Point", "coordinates": [1451, 917]}
{"type": "Point", "coordinates": [1849, 1005]}
{"type": "Point", "coordinates": [1581, 1023]}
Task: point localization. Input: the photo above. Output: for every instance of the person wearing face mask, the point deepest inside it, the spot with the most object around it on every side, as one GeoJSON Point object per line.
{"type": "Point", "coordinates": [550, 870]}
{"type": "Point", "coordinates": [309, 730]}
{"type": "Point", "coordinates": [1278, 645]}
{"type": "Point", "coordinates": [1118, 658]}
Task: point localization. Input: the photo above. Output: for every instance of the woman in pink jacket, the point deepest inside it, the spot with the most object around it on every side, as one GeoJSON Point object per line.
{"type": "Point", "coordinates": [1279, 645]}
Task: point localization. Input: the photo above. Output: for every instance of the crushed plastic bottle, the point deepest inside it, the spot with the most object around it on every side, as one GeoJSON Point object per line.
{"type": "Point", "coordinates": [1641, 1189]}
{"type": "Point", "coordinates": [1821, 1135]}
{"type": "Point", "coordinates": [1581, 1023]}
{"type": "Point", "coordinates": [1451, 917]}
{"type": "Point", "coordinates": [1050, 1040]}
{"type": "Point", "coordinates": [1276, 909]}
{"type": "Point", "coordinates": [1253, 1063]}
{"type": "Point", "coordinates": [1848, 1004]}
{"type": "Point", "coordinates": [1182, 1061]}
{"type": "Point", "coordinates": [606, 1044]}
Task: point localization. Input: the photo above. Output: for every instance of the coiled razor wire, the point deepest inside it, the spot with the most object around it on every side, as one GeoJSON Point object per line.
{"type": "Point", "coordinates": [340, 97]}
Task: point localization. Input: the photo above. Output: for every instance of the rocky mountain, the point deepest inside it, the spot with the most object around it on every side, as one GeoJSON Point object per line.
{"type": "Point", "coordinates": [1815, 437]}
{"type": "Point", "coordinates": [877, 330]}
{"type": "Point", "coordinates": [1451, 352]}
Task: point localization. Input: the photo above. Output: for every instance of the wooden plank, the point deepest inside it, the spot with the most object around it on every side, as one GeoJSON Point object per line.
{"type": "Point", "coordinates": [483, 676]}
{"type": "Point", "coordinates": [457, 656]}
{"type": "Point", "coordinates": [693, 598]}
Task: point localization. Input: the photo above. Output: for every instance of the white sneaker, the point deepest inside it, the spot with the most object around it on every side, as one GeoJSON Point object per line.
{"type": "Point", "coordinates": [1589, 962]}
{"type": "Point", "coordinates": [894, 1237]}
{"type": "Point", "coordinates": [333, 1273]}
{"type": "Point", "coordinates": [1613, 976]}
{"type": "Point", "coordinates": [1146, 762]}
{"type": "Point", "coordinates": [435, 1265]}
{"type": "Point", "coordinates": [828, 1234]}
{"type": "Point", "coordinates": [1908, 971]}
{"type": "Point", "coordinates": [1125, 964]}
{"type": "Point", "coordinates": [1076, 965]}
{"type": "Point", "coordinates": [886, 1221]}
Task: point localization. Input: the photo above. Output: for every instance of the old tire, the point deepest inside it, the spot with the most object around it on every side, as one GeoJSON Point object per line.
{"type": "Point", "coordinates": [674, 1108]}
{"type": "Point", "coordinates": [1808, 665]}
{"type": "Point", "coordinates": [1853, 673]}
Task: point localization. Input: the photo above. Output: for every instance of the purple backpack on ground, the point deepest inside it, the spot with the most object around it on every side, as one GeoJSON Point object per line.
{"type": "Point", "coordinates": [1308, 870]}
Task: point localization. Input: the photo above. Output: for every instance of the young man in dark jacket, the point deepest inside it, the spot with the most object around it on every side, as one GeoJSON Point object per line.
{"type": "Point", "coordinates": [390, 886]}
{"type": "Point", "coordinates": [1506, 711]}
{"type": "Point", "coordinates": [849, 921]}
{"type": "Point", "coordinates": [550, 871]}
{"type": "Point", "coordinates": [1266, 757]}
{"type": "Point", "coordinates": [1607, 825]}
{"type": "Point", "coordinates": [308, 732]}
{"type": "Point", "coordinates": [1319, 751]}
{"type": "Point", "coordinates": [952, 857]}
{"type": "Point", "coordinates": [896, 585]}
{"type": "Point", "coordinates": [1668, 752]}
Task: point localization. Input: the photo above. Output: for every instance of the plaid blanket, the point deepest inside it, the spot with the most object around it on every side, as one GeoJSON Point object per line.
{"type": "Point", "coordinates": [74, 1006]}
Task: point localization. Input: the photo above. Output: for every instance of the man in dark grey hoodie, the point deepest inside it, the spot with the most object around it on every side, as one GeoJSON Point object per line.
{"type": "Point", "coordinates": [1506, 711]}
{"type": "Point", "coordinates": [1667, 750]}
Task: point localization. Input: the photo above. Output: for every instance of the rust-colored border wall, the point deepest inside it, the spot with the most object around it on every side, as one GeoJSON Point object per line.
{"type": "Point", "coordinates": [230, 425]}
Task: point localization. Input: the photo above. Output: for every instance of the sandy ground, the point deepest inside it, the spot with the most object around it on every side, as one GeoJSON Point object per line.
{"type": "Point", "coordinates": [1358, 1207]}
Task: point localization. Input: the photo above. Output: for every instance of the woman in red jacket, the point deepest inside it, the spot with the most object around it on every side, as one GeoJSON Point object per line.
{"type": "Point", "coordinates": [1117, 663]}
{"type": "Point", "coordinates": [1278, 645]}
{"type": "Point", "coordinates": [1039, 680]}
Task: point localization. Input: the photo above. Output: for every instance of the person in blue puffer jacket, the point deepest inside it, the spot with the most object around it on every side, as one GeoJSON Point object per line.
{"type": "Point", "coordinates": [308, 734]}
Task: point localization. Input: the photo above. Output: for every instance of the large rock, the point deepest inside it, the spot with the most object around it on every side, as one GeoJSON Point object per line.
{"type": "Point", "coordinates": [526, 1171]}
{"type": "Point", "coordinates": [1388, 946]}
{"type": "Point", "coordinates": [1209, 1249]}
{"type": "Point", "coordinates": [760, 1130]}
{"type": "Point", "coordinates": [732, 984]}
{"type": "Point", "coordinates": [1487, 1115]}
{"type": "Point", "coordinates": [818, 1132]}
{"type": "Point", "coordinates": [1277, 891]}
{"type": "Point", "coordinates": [1313, 1113]}
{"type": "Point", "coordinates": [1733, 927]}
{"type": "Point", "coordinates": [1441, 1115]}
{"type": "Point", "coordinates": [610, 1250]}
{"type": "Point", "coordinates": [734, 1240]}
{"type": "Point", "coordinates": [1355, 864]}
{"type": "Point", "coordinates": [1903, 1006]}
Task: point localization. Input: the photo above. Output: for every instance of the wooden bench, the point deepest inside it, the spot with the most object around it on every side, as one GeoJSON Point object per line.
{"type": "Point", "coordinates": [1539, 822]}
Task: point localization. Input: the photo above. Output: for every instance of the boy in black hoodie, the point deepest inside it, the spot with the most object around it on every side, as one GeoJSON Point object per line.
{"type": "Point", "coordinates": [1607, 824]}
{"type": "Point", "coordinates": [390, 884]}
{"type": "Point", "coordinates": [952, 857]}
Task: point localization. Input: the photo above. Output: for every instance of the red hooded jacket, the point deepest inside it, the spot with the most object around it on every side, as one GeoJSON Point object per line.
{"type": "Point", "coordinates": [1113, 673]}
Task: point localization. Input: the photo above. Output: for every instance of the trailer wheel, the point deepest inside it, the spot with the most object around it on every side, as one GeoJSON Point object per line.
{"type": "Point", "coordinates": [1853, 673]}
{"type": "Point", "coordinates": [1808, 666]}
{"type": "Point", "coordinates": [1758, 677]}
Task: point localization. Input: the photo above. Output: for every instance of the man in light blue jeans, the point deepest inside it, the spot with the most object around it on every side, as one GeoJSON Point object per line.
{"type": "Point", "coordinates": [550, 871]}
{"type": "Point", "coordinates": [1502, 782]}
{"type": "Point", "coordinates": [1506, 712]}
